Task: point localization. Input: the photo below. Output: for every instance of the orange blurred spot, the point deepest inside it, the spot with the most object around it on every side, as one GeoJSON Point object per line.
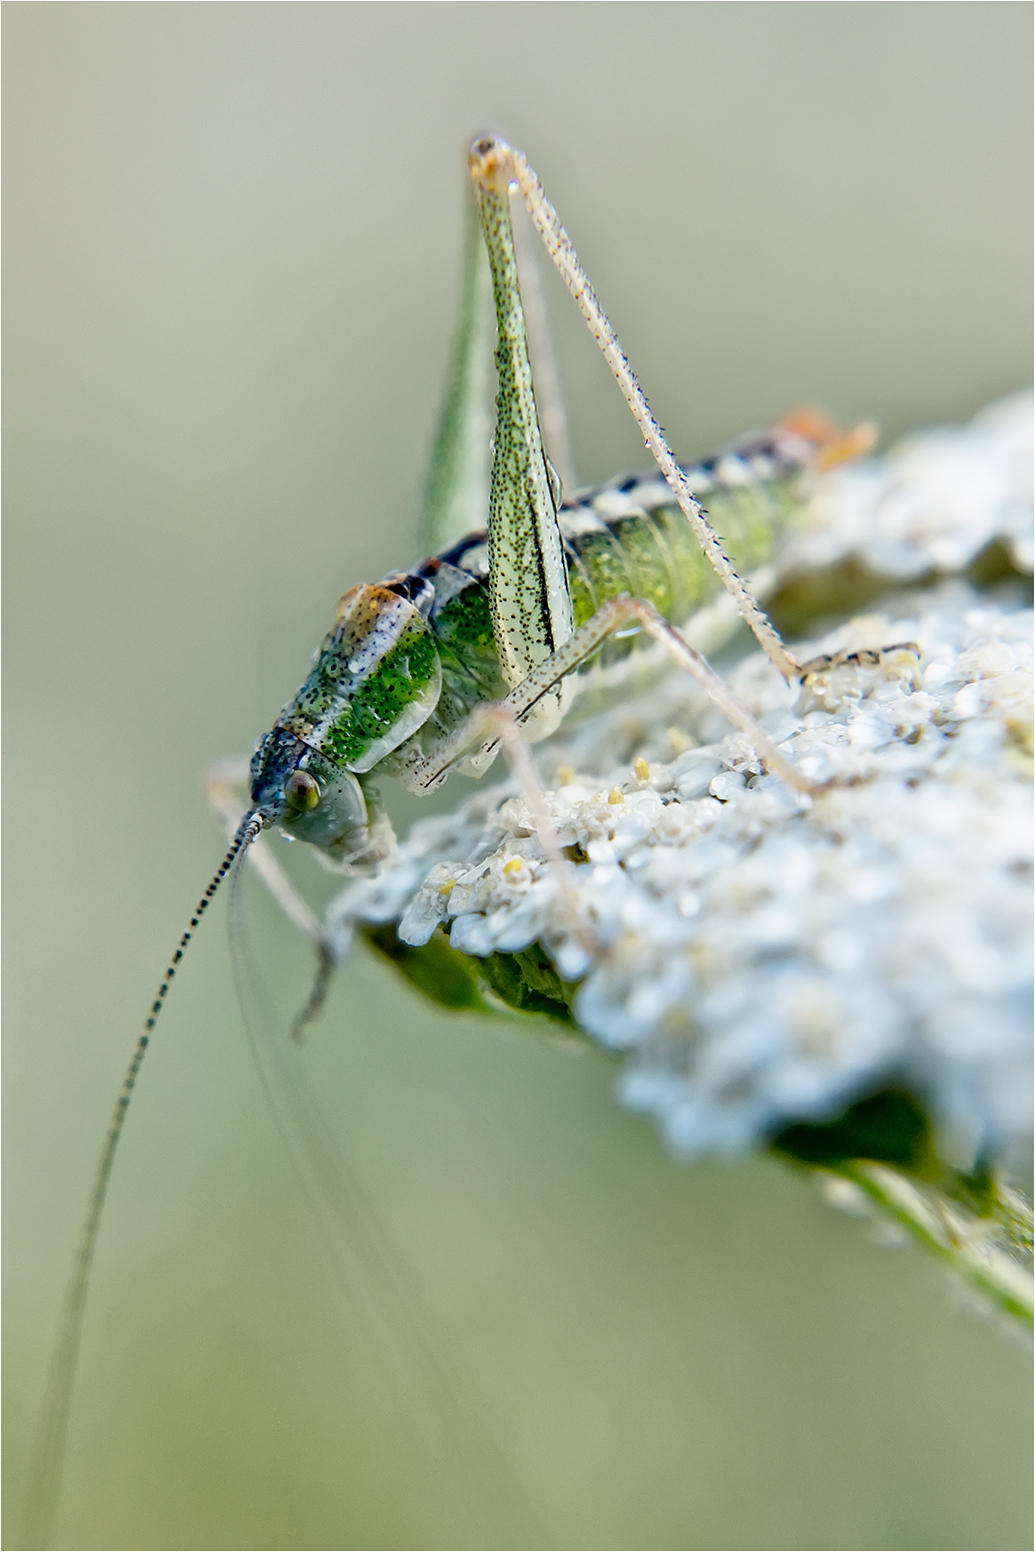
{"type": "Point", "coordinates": [833, 446]}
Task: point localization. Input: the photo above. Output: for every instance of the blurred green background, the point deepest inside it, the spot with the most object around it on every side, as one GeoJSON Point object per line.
{"type": "Point", "coordinates": [232, 244]}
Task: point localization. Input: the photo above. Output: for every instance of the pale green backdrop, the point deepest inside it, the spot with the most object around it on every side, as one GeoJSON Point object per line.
{"type": "Point", "coordinates": [232, 234]}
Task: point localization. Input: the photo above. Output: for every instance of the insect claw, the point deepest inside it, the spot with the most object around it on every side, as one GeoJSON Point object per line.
{"type": "Point", "coordinates": [327, 959]}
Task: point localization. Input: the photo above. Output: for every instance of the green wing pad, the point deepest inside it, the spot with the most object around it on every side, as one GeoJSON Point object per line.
{"type": "Point", "coordinates": [375, 681]}
{"type": "Point", "coordinates": [460, 614]}
{"type": "Point", "coordinates": [461, 618]}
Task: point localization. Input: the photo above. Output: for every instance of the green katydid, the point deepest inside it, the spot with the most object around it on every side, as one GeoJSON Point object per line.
{"type": "Point", "coordinates": [492, 640]}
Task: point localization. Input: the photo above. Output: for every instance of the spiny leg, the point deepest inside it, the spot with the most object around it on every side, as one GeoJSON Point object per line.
{"type": "Point", "coordinates": [426, 772]}
{"type": "Point", "coordinates": [493, 164]}
{"type": "Point", "coordinates": [548, 391]}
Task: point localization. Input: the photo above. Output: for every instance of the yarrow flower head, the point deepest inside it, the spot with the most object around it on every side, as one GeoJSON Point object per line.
{"type": "Point", "coordinates": [760, 956]}
{"type": "Point", "coordinates": [761, 959]}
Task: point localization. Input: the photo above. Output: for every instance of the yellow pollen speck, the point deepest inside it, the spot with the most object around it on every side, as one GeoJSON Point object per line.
{"type": "Point", "coordinates": [513, 866]}
{"type": "Point", "coordinates": [448, 886]}
{"type": "Point", "coordinates": [679, 741]}
{"type": "Point", "coordinates": [641, 768]}
{"type": "Point", "coordinates": [565, 775]}
{"type": "Point", "coordinates": [616, 795]}
{"type": "Point", "coordinates": [1022, 733]}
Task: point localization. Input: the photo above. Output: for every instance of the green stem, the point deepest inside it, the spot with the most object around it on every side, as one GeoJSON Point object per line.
{"type": "Point", "coordinates": [957, 1239]}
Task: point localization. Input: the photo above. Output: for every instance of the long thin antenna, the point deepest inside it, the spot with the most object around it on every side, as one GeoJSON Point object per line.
{"type": "Point", "coordinates": [44, 1483]}
{"type": "Point", "coordinates": [491, 158]}
{"type": "Point", "coordinates": [439, 1412]}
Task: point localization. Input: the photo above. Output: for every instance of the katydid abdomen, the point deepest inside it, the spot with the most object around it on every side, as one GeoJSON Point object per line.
{"type": "Point", "coordinates": [629, 535]}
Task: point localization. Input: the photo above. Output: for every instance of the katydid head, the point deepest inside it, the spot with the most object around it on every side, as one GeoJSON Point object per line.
{"type": "Point", "coordinates": [310, 797]}
{"type": "Point", "coordinates": [374, 682]}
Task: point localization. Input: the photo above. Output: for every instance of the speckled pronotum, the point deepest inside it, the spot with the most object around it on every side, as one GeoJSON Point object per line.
{"type": "Point", "coordinates": [490, 640]}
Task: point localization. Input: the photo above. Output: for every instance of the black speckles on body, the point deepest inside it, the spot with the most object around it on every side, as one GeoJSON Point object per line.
{"type": "Point", "coordinates": [625, 536]}
{"type": "Point", "coordinates": [376, 677]}
{"type": "Point", "coordinates": [531, 606]}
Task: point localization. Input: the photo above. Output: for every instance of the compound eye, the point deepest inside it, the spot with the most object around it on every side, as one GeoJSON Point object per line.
{"type": "Point", "coordinates": [302, 791]}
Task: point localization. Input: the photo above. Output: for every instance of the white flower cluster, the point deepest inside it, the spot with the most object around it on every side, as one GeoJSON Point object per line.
{"type": "Point", "coordinates": [932, 504]}
{"type": "Point", "coordinates": [763, 957]}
